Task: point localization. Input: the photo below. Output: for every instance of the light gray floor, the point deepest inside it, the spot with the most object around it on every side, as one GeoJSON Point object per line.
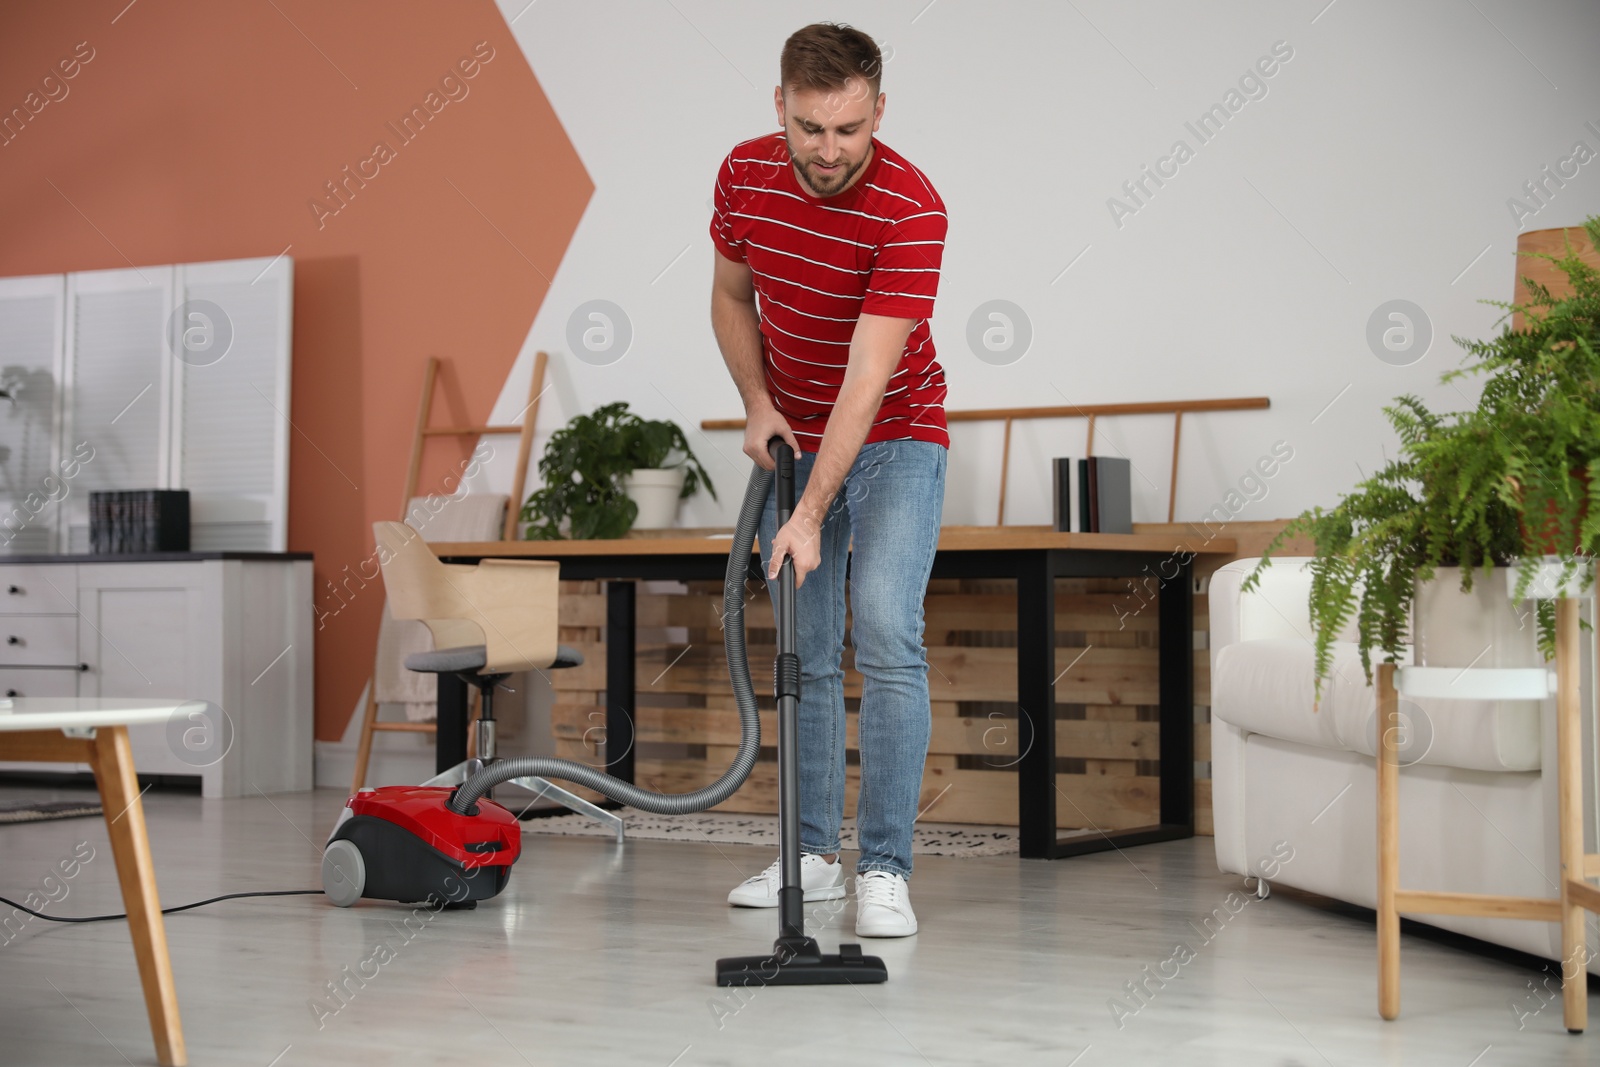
{"type": "Point", "coordinates": [603, 955]}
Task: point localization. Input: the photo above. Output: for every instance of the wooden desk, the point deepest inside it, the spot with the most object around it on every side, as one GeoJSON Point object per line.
{"type": "Point", "coordinates": [1033, 556]}
{"type": "Point", "coordinates": [36, 729]}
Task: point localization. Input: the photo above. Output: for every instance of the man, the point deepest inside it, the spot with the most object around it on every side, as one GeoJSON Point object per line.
{"type": "Point", "coordinates": [841, 239]}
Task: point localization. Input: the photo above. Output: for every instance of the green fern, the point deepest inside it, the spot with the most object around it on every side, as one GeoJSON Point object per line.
{"type": "Point", "coordinates": [1474, 489]}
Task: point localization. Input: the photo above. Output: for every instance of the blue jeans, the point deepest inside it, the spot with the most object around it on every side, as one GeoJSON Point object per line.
{"type": "Point", "coordinates": [889, 506]}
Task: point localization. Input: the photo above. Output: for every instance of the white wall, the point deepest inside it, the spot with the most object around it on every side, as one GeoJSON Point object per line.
{"type": "Point", "coordinates": [1378, 166]}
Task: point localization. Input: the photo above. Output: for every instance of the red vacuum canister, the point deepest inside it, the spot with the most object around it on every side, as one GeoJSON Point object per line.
{"type": "Point", "coordinates": [402, 842]}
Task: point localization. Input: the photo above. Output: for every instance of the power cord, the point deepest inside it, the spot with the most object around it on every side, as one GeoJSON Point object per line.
{"type": "Point", "coordinates": [164, 911]}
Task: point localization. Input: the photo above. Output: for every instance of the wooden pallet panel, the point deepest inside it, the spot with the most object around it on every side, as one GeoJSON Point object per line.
{"type": "Point", "coordinates": [952, 612]}
{"type": "Point", "coordinates": [1082, 801]}
{"type": "Point", "coordinates": [1108, 695]}
{"type": "Point", "coordinates": [993, 737]}
{"type": "Point", "coordinates": [1090, 675]}
{"type": "Point", "coordinates": [958, 796]}
{"type": "Point", "coordinates": [948, 795]}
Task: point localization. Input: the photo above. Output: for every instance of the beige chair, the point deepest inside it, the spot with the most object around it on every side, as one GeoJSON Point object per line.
{"type": "Point", "coordinates": [488, 622]}
{"type": "Point", "coordinates": [387, 685]}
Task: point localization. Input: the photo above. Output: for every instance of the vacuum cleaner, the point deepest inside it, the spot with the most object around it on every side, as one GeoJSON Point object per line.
{"type": "Point", "coordinates": [453, 847]}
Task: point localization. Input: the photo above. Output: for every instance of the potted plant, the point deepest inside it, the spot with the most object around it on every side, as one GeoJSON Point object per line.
{"type": "Point", "coordinates": [599, 472]}
{"type": "Point", "coordinates": [1510, 482]}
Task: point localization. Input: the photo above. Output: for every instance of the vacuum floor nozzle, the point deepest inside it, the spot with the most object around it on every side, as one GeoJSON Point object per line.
{"type": "Point", "coordinates": [798, 961]}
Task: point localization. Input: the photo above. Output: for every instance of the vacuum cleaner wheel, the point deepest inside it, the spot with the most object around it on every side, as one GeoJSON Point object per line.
{"type": "Point", "coordinates": [344, 872]}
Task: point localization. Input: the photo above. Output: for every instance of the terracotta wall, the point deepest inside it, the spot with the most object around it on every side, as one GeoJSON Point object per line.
{"type": "Point", "coordinates": [157, 133]}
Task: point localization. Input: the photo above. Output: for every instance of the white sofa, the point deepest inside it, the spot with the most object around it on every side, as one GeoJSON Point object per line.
{"type": "Point", "coordinates": [1293, 786]}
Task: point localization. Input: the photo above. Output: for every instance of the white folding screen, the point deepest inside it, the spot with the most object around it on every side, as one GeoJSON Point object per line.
{"type": "Point", "coordinates": [115, 386]}
{"type": "Point", "coordinates": [230, 401]}
{"type": "Point", "coordinates": [31, 487]}
{"type": "Point", "coordinates": [171, 377]}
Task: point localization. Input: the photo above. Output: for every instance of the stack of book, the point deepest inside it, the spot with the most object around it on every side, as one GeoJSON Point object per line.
{"type": "Point", "coordinates": [138, 520]}
{"type": "Point", "coordinates": [1102, 487]}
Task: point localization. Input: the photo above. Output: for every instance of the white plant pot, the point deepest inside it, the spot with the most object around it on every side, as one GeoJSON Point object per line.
{"type": "Point", "coordinates": [656, 492]}
{"type": "Point", "coordinates": [1453, 630]}
{"type": "Point", "coordinates": [1483, 628]}
{"type": "Point", "coordinates": [1549, 580]}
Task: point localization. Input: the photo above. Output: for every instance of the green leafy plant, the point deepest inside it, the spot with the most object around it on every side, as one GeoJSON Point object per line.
{"type": "Point", "coordinates": [584, 465]}
{"type": "Point", "coordinates": [1515, 479]}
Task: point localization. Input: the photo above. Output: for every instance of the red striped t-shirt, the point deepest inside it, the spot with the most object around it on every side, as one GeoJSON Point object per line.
{"type": "Point", "coordinates": [819, 263]}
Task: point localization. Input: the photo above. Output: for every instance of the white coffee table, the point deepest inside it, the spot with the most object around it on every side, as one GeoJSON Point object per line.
{"type": "Point", "coordinates": [94, 731]}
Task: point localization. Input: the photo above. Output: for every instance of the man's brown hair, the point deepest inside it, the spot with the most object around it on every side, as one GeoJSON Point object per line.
{"type": "Point", "coordinates": [826, 55]}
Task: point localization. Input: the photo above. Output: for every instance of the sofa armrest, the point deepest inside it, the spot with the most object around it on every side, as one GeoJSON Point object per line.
{"type": "Point", "coordinates": [1280, 606]}
{"type": "Point", "coordinates": [1223, 595]}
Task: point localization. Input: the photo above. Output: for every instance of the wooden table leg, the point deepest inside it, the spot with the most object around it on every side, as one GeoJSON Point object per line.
{"type": "Point", "coordinates": [1569, 759]}
{"type": "Point", "coordinates": [112, 761]}
{"type": "Point", "coordinates": [1388, 768]}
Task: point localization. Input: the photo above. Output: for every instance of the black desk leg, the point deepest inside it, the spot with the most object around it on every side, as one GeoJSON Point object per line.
{"type": "Point", "coordinates": [1036, 667]}
{"type": "Point", "coordinates": [1036, 707]}
{"type": "Point", "coordinates": [620, 689]}
{"type": "Point", "coordinates": [1177, 700]}
{"type": "Point", "coordinates": [450, 740]}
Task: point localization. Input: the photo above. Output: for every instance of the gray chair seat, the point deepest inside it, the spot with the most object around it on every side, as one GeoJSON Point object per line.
{"type": "Point", "coordinates": [473, 657]}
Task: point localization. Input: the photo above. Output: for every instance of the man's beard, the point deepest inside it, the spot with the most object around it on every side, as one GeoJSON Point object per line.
{"type": "Point", "coordinates": [824, 185]}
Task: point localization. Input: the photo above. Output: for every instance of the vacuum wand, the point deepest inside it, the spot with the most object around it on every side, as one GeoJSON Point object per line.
{"type": "Point", "coordinates": [786, 686]}
{"type": "Point", "coordinates": [795, 958]}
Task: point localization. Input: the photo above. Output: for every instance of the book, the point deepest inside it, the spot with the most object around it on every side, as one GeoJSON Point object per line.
{"type": "Point", "coordinates": [1104, 494]}
{"type": "Point", "coordinates": [1093, 524]}
{"type": "Point", "coordinates": [1061, 493]}
{"type": "Point", "coordinates": [1112, 494]}
{"type": "Point", "coordinates": [123, 521]}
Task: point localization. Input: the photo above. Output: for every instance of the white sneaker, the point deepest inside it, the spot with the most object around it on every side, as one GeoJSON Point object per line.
{"type": "Point", "coordinates": [883, 906]}
{"type": "Point", "coordinates": [820, 879]}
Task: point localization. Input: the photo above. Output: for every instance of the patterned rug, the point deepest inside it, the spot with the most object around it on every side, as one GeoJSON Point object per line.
{"type": "Point", "coordinates": [928, 839]}
{"type": "Point", "coordinates": [12, 811]}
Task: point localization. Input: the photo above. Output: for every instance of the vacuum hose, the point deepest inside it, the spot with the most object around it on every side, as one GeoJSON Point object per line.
{"type": "Point", "coordinates": [733, 594]}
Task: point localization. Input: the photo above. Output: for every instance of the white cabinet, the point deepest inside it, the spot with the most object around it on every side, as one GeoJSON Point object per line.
{"type": "Point", "coordinates": [231, 632]}
{"type": "Point", "coordinates": [39, 632]}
